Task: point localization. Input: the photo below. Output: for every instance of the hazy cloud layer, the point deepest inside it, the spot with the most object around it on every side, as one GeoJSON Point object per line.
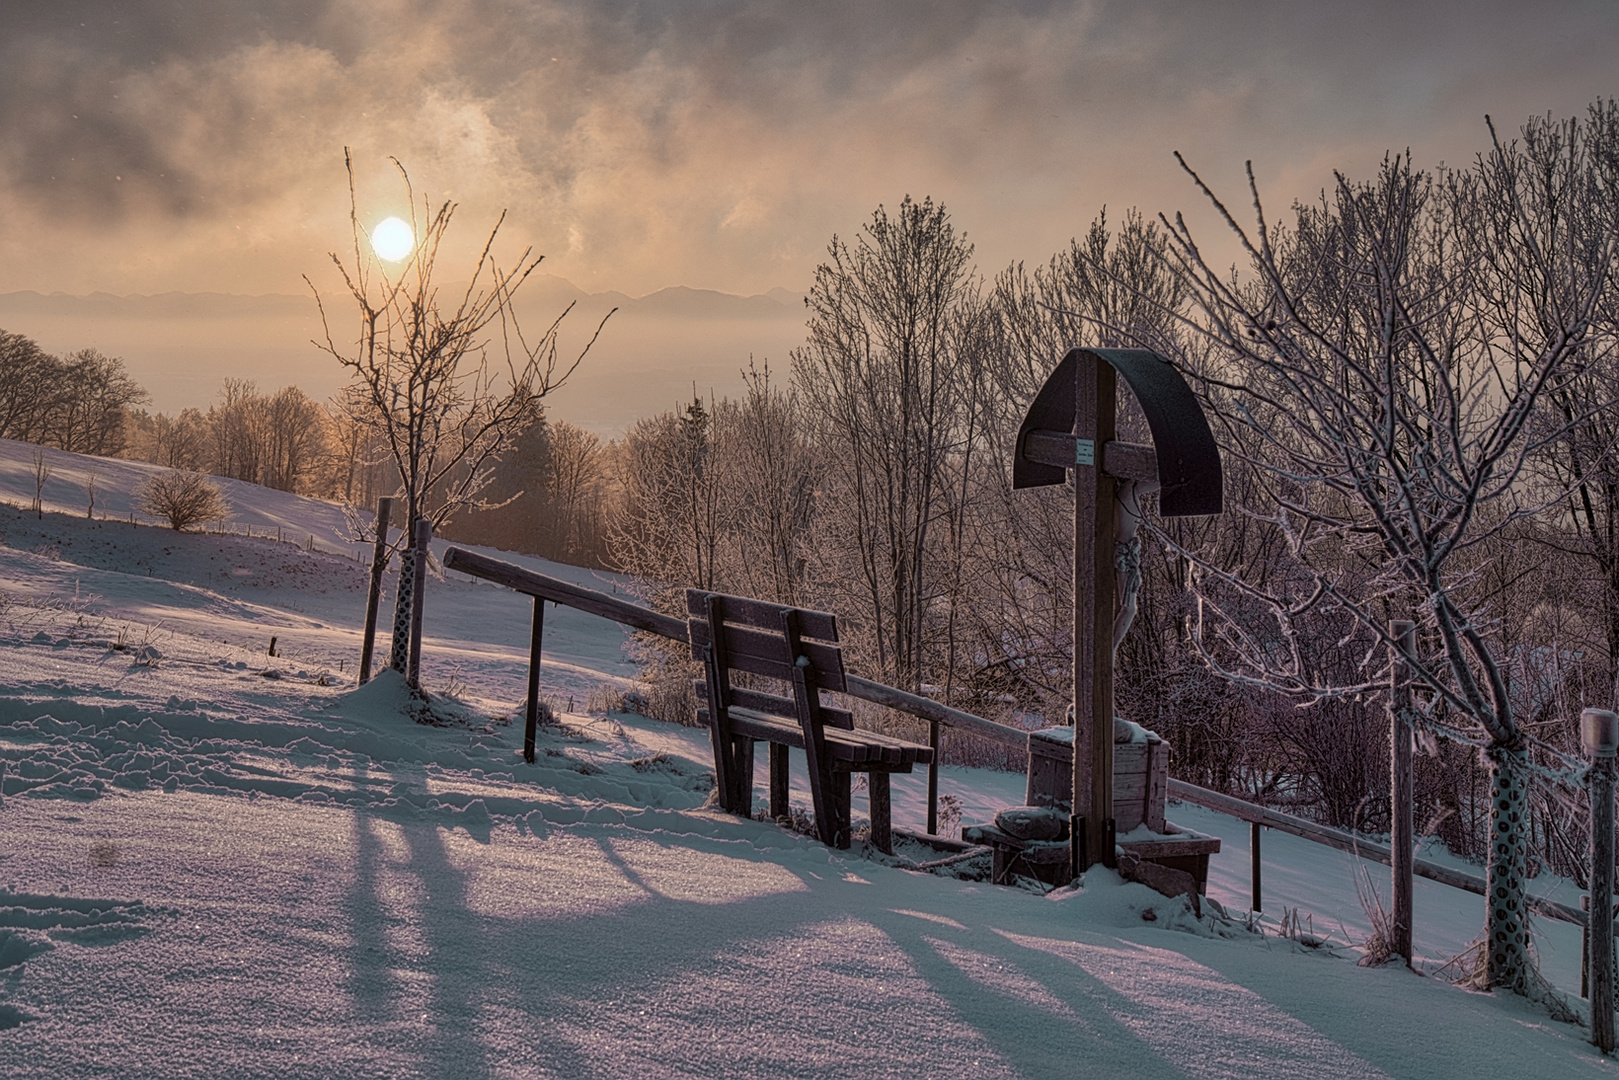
{"type": "Point", "coordinates": [197, 144]}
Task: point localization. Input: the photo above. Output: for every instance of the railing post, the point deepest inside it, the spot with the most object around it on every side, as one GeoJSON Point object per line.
{"type": "Point", "coordinates": [379, 564]}
{"type": "Point", "coordinates": [933, 779]}
{"type": "Point", "coordinates": [1253, 862]}
{"type": "Point", "coordinates": [1402, 838]}
{"type": "Point", "coordinates": [1599, 734]}
{"type": "Point", "coordinates": [531, 715]}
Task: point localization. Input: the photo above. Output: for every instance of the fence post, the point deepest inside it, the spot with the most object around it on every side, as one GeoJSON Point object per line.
{"type": "Point", "coordinates": [1599, 734]}
{"type": "Point", "coordinates": [424, 537]}
{"type": "Point", "coordinates": [379, 563]}
{"type": "Point", "coordinates": [1402, 838]}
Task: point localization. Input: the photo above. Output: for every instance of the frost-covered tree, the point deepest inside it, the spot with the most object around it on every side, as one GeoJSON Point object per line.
{"type": "Point", "coordinates": [79, 404]}
{"type": "Point", "coordinates": [183, 499]}
{"type": "Point", "coordinates": [1384, 373]}
{"type": "Point", "coordinates": [885, 379]}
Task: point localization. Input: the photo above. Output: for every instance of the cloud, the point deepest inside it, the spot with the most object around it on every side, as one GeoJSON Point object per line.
{"type": "Point", "coordinates": [186, 143]}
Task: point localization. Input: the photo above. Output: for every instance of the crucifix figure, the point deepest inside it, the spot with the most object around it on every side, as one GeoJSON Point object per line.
{"type": "Point", "coordinates": [1072, 425]}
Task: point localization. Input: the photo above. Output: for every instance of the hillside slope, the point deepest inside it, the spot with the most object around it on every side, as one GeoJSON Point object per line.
{"type": "Point", "coordinates": [216, 862]}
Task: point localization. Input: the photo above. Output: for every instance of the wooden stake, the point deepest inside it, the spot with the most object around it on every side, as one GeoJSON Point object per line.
{"type": "Point", "coordinates": [379, 563]}
{"type": "Point", "coordinates": [1402, 832]}
{"type": "Point", "coordinates": [779, 808]}
{"type": "Point", "coordinates": [882, 832]}
{"type": "Point", "coordinates": [1600, 961]}
{"type": "Point", "coordinates": [933, 779]}
{"type": "Point", "coordinates": [1585, 947]}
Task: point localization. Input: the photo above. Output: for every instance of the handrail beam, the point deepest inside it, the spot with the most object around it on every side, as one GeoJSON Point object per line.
{"type": "Point", "coordinates": [1354, 845]}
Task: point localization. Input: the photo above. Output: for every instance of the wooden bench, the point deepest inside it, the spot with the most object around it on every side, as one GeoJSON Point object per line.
{"type": "Point", "coordinates": [797, 650]}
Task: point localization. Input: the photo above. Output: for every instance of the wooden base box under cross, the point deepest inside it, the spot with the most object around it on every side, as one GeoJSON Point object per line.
{"type": "Point", "coordinates": [1140, 799]}
{"type": "Point", "coordinates": [1179, 850]}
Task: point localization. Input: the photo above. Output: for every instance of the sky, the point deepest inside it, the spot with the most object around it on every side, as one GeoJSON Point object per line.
{"type": "Point", "coordinates": [198, 145]}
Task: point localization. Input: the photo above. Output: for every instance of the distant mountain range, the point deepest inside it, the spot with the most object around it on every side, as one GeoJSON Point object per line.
{"type": "Point", "coordinates": [654, 353]}
{"type": "Point", "coordinates": [677, 301]}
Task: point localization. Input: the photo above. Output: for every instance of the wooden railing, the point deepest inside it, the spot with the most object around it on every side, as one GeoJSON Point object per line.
{"type": "Point", "coordinates": [1258, 816]}
{"type": "Point", "coordinates": [543, 587]}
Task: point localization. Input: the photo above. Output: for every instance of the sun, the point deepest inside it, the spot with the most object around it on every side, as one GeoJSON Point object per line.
{"type": "Point", "coordinates": [392, 239]}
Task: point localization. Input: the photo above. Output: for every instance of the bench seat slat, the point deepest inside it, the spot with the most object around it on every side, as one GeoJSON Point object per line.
{"type": "Point", "coordinates": [850, 746]}
{"type": "Point", "coordinates": [845, 745]}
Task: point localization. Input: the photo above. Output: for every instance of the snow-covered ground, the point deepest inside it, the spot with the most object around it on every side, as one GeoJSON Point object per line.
{"type": "Point", "coordinates": [219, 863]}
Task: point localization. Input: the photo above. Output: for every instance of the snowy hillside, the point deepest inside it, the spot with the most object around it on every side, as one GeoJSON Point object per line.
{"type": "Point", "coordinates": [220, 863]}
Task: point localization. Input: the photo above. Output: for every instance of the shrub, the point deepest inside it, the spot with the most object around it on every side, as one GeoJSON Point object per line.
{"type": "Point", "coordinates": [182, 498]}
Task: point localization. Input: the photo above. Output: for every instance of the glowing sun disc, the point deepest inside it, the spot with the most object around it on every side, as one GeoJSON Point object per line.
{"type": "Point", "coordinates": [392, 239]}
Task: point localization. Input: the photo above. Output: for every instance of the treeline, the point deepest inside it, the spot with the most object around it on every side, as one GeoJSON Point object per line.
{"type": "Point", "coordinates": [550, 495]}
{"type": "Point", "coordinates": [282, 440]}
{"type": "Point", "coordinates": [874, 479]}
{"type": "Point", "coordinates": [79, 402]}
{"type": "Point", "coordinates": [87, 403]}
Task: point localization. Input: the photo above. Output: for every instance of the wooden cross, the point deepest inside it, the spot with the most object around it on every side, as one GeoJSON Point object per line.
{"type": "Point", "coordinates": [1072, 424]}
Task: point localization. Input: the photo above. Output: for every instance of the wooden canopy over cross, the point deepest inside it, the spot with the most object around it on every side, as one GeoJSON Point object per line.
{"type": "Point", "coordinates": [1072, 425]}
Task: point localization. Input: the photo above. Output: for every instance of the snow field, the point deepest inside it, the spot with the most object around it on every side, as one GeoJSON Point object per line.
{"type": "Point", "coordinates": [218, 863]}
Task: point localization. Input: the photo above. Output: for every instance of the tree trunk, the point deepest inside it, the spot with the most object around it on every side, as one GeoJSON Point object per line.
{"type": "Point", "coordinates": [1508, 931]}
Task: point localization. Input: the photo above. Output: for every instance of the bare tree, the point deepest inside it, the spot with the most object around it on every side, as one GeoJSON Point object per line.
{"type": "Point", "coordinates": [92, 394]}
{"type": "Point", "coordinates": [79, 404]}
{"type": "Point", "coordinates": [574, 486]}
{"type": "Point", "coordinates": [27, 390]}
{"type": "Point", "coordinates": [773, 473]}
{"type": "Point", "coordinates": [1380, 374]}
{"type": "Point", "coordinates": [183, 499]}
{"type": "Point", "coordinates": [293, 439]}
{"type": "Point", "coordinates": [420, 375]}
{"type": "Point", "coordinates": [178, 442]}
{"type": "Point", "coordinates": [1578, 456]}
{"type": "Point", "coordinates": [880, 378]}
{"type": "Point", "coordinates": [235, 431]}
{"type": "Point", "coordinates": [42, 473]}
{"type": "Point", "coordinates": [1111, 288]}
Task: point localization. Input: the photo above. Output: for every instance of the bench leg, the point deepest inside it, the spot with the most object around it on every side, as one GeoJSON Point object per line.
{"type": "Point", "coordinates": [882, 834]}
{"type": "Point", "coordinates": [840, 809]}
{"type": "Point", "coordinates": [742, 777]}
{"type": "Point", "coordinates": [778, 781]}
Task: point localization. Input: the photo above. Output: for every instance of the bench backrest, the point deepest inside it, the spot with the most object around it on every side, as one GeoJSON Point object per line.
{"type": "Point", "coordinates": [789, 645]}
{"type": "Point", "coordinates": [769, 640]}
